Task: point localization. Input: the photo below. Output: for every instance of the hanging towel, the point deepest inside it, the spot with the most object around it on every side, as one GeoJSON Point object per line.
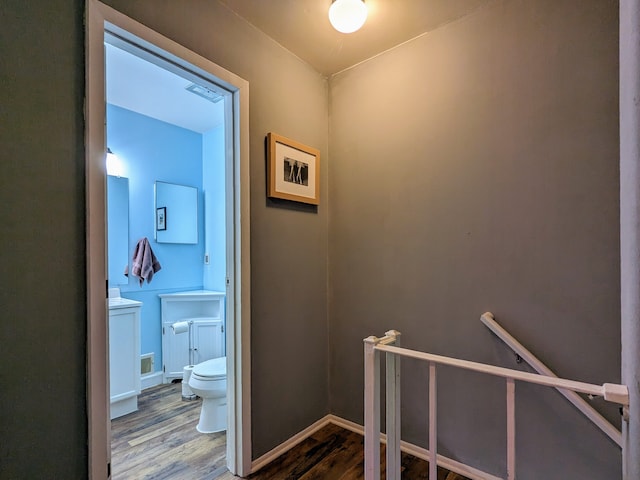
{"type": "Point", "coordinates": [145, 263]}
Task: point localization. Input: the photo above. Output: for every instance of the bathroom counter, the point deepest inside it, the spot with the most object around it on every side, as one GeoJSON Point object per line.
{"type": "Point", "coordinates": [192, 294]}
{"type": "Point", "coordinates": [120, 302]}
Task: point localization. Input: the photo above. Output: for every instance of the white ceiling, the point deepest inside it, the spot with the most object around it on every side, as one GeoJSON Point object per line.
{"type": "Point", "coordinates": [302, 27]}
{"type": "Point", "coordinates": [145, 88]}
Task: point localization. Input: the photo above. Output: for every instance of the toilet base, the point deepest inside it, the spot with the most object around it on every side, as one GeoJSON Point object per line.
{"type": "Point", "coordinates": [213, 415]}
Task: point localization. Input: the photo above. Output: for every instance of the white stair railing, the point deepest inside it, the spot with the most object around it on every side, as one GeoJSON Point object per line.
{"type": "Point", "coordinates": [372, 348]}
{"type": "Point", "coordinates": [579, 402]}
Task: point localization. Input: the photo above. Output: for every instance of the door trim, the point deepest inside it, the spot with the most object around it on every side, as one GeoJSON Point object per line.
{"type": "Point", "coordinates": [100, 18]}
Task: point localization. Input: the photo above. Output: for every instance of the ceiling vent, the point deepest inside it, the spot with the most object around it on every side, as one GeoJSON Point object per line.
{"type": "Point", "coordinates": [204, 92]}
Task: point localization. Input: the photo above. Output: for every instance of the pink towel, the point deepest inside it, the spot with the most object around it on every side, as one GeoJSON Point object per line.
{"type": "Point", "coordinates": [145, 263]}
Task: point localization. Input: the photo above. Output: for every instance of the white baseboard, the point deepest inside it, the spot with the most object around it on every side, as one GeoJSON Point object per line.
{"type": "Point", "coordinates": [284, 447]}
{"type": "Point", "coordinates": [151, 380]}
{"type": "Point", "coordinates": [448, 463]}
{"type": "Point", "coordinates": [406, 447]}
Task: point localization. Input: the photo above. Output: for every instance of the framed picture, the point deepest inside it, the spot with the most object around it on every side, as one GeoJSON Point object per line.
{"type": "Point", "coordinates": [161, 218]}
{"type": "Point", "coordinates": [293, 170]}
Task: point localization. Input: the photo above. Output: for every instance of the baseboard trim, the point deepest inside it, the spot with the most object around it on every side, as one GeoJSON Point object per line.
{"type": "Point", "coordinates": [151, 380]}
{"type": "Point", "coordinates": [410, 448]}
{"type": "Point", "coordinates": [419, 452]}
{"type": "Point", "coordinates": [448, 463]}
{"type": "Point", "coordinates": [284, 447]}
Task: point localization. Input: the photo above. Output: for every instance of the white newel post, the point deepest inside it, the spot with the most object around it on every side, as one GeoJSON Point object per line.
{"type": "Point", "coordinates": [630, 229]}
{"type": "Point", "coordinates": [371, 409]}
{"type": "Point", "coordinates": [394, 460]}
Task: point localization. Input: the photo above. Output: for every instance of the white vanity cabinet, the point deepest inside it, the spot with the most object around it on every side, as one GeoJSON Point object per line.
{"type": "Point", "coordinates": [204, 340]}
{"type": "Point", "coordinates": [124, 355]}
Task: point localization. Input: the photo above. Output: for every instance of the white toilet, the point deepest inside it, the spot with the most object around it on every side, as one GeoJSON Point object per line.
{"type": "Point", "coordinates": [209, 381]}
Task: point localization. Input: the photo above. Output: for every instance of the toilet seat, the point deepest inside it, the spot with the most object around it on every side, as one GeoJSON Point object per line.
{"type": "Point", "coordinates": [214, 369]}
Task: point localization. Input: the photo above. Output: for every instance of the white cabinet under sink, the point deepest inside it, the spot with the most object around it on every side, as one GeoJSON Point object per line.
{"type": "Point", "coordinates": [124, 355]}
{"type": "Point", "coordinates": [203, 310]}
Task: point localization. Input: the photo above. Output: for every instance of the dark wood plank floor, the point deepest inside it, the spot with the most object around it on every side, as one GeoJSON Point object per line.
{"type": "Point", "coordinates": [334, 453]}
{"type": "Point", "coordinates": [160, 441]}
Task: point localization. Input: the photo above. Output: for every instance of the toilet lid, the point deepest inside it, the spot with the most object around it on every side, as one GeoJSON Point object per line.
{"type": "Point", "coordinates": [216, 367]}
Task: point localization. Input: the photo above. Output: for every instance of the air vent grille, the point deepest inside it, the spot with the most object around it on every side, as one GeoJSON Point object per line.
{"type": "Point", "coordinates": [146, 364]}
{"type": "Point", "coordinates": [204, 92]}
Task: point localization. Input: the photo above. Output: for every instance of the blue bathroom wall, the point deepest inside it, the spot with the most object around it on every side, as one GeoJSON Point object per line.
{"type": "Point", "coordinates": [152, 151]}
{"type": "Point", "coordinates": [213, 169]}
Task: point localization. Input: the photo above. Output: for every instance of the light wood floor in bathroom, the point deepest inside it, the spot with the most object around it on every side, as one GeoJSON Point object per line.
{"type": "Point", "coordinates": [160, 441]}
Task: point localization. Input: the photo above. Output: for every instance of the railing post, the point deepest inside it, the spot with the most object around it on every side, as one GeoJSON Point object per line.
{"type": "Point", "coordinates": [629, 41]}
{"type": "Point", "coordinates": [394, 459]}
{"type": "Point", "coordinates": [611, 392]}
{"type": "Point", "coordinates": [433, 423]}
{"type": "Point", "coordinates": [371, 410]}
{"type": "Point", "coordinates": [511, 429]}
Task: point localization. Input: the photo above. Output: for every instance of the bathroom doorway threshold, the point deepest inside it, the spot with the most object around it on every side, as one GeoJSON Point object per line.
{"type": "Point", "coordinates": [102, 21]}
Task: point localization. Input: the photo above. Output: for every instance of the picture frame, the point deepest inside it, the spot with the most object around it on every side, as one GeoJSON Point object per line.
{"type": "Point", "coordinates": [161, 218]}
{"type": "Point", "coordinates": [293, 170]}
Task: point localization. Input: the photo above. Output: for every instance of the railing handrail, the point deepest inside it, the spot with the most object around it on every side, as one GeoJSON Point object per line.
{"type": "Point", "coordinates": [373, 346]}
{"type": "Point", "coordinates": [610, 391]}
{"type": "Point", "coordinates": [580, 403]}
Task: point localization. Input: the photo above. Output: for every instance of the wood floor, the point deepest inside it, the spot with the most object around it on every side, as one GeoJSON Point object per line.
{"type": "Point", "coordinates": [160, 441]}
{"type": "Point", "coordinates": [334, 453]}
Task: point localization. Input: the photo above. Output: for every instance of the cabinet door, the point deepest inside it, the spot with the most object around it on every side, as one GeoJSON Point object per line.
{"type": "Point", "coordinates": [124, 356]}
{"type": "Point", "coordinates": [207, 341]}
{"type": "Point", "coordinates": [175, 353]}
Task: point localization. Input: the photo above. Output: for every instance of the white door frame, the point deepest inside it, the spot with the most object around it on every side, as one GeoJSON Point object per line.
{"type": "Point", "coordinates": [99, 18]}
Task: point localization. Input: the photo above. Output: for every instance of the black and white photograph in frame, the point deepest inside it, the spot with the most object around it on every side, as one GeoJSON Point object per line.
{"type": "Point", "coordinates": [296, 171]}
{"type": "Point", "coordinates": [293, 169]}
{"type": "Point", "coordinates": [161, 218]}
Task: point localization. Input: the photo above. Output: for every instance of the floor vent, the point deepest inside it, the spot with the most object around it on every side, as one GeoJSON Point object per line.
{"type": "Point", "coordinates": [146, 364]}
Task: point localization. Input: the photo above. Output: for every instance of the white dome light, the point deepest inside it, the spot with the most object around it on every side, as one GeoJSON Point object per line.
{"type": "Point", "coordinates": [347, 16]}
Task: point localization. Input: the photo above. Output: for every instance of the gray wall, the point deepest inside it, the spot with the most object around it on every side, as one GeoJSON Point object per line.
{"type": "Point", "coordinates": [42, 369]}
{"type": "Point", "coordinates": [42, 255]}
{"type": "Point", "coordinates": [288, 247]}
{"type": "Point", "coordinates": [475, 169]}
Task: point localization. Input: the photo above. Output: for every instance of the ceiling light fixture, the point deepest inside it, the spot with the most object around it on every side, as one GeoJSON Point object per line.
{"type": "Point", "coordinates": [347, 16]}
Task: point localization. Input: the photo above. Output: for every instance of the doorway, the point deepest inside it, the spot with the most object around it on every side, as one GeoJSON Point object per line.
{"type": "Point", "coordinates": [102, 23]}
